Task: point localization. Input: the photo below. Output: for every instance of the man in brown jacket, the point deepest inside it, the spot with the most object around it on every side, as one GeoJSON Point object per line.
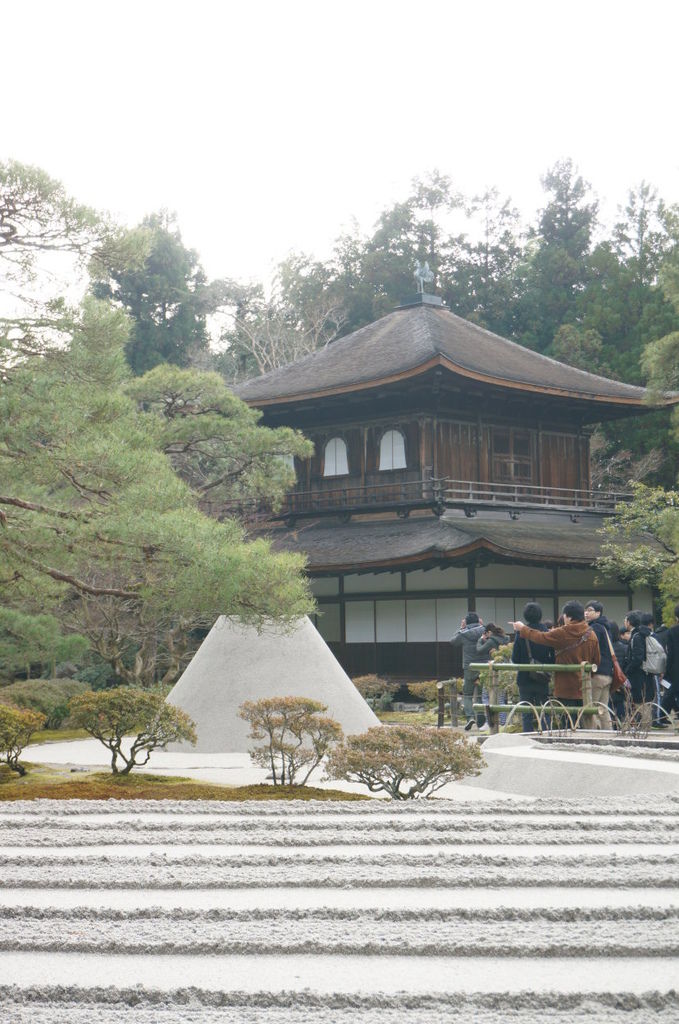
{"type": "Point", "coordinates": [573, 643]}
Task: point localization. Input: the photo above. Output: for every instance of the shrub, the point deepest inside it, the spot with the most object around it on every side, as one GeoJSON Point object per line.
{"type": "Point", "coordinates": [110, 715]}
{"type": "Point", "coordinates": [17, 725]}
{"type": "Point", "coordinates": [372, 687]}
{"type": "Point", "coordinates": [98, 676]}
{"type": "Point", "coordinates": [427, 691]}
{"type": "Point", "coordinates": [296, 732]}
{"type": "Point", "coordinates": [48, 696]}
{"type": "Point", "coordinates": [405, 761]}
{"type": "Point", "coordinates": [386, 702]}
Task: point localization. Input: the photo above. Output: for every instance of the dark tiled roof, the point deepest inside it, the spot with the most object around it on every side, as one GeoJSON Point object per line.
{"type": "Point", "coordinates": [328, 544]}
{"type": "Point", "coordinates": [412, 337]}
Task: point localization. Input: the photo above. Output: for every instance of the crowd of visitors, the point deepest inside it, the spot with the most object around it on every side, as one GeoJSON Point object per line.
{"type": "Point", "coordinates": [635, 668]}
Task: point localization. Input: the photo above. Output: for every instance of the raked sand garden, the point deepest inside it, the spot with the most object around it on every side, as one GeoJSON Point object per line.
{"type": "Point", "coordinates": [495, 911]}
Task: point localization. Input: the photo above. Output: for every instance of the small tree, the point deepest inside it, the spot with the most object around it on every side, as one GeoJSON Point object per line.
{"type": "Point", "coordinates": [110, 715]}
{"type": "Point", "coordinates": [17, 725]}
{"type": "Point", "coordinates": [405, 761]}
{"type": "Point", "coordinates": [296, 732]}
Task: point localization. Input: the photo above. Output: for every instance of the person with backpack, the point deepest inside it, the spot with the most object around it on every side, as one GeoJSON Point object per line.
{"type": "Point", "coordinates": [574, 642]}
{"type": "Point", "coordinates": [602, 679]}
{"type": "Point", "coordinates": [658, 635]}
{"type": "Point", "coordinates": [533, 686]}
{"type": "Point", "coordinates": [645, 659]}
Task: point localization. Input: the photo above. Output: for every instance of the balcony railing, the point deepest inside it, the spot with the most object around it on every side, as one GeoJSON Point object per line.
{"type": "Point", "coordinates": [440, 494]}
{"type": "Point", "coordinates": [494, 495]}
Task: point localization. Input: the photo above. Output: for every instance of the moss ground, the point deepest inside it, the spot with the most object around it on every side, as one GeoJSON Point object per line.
{"type": "Point", "coordinates": [48, 783]}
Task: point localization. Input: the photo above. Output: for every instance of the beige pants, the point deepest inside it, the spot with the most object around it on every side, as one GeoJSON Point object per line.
{"type": "Point", "coordinates": [601, 690]}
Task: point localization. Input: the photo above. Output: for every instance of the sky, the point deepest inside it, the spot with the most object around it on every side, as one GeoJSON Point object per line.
{"type": "Point", "coordinates": [272, 127]}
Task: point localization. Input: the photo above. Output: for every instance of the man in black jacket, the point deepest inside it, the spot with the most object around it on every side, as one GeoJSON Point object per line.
{"type": "Point", "coordinates": [642, 682]}
{"type": "Point", "coordinates": [670, 698]}
{"type": "Point", "coordinates": [532, 689]}
{"type": "Point", "coordinates": [602, 679]}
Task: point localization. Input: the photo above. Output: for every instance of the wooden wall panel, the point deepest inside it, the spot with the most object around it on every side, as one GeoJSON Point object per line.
{"type": "Point", "coordinates": [456, 450]}
{"type": "Point", "coordinates": [560, 462]}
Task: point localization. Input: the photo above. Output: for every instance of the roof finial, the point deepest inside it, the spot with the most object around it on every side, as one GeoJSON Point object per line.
{"type": "Point", "coordinates": [422, 275]}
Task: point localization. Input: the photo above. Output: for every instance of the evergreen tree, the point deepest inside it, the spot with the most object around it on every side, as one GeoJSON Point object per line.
{"type": "Point", "coordinates": [168, 298]}
{"type": "Point", "coordinates": [481, 279]}
{"type": "Point", "coordinates": [558, 268]}
{"type": "Point", "coordinates": [97, 527]}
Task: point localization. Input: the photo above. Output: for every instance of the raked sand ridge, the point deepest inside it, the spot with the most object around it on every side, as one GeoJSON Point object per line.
{"type": "Point", "coordinates": [544, 911]}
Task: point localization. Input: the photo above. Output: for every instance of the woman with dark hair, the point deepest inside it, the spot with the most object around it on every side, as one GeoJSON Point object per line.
{"type": "Point", "coordinates": [642, 683]}
{"type": "Point", "coordinates": [491, 638]}
{"type": "Point", "coordinates": [533, 686]}
{"type": "Point", "coordinates": [620, 647]}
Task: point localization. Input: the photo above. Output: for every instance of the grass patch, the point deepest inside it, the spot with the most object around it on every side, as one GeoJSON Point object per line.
{"type": "Point", "coordinates": [429, 717]}
{"type": "Point", "coordinates": [58, 736]}
{"type": "Point", "coordinates": [42, 783]}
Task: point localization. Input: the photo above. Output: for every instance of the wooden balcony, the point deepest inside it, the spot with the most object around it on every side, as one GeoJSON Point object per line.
{"type": "Point", "coordinates": [438, 495]}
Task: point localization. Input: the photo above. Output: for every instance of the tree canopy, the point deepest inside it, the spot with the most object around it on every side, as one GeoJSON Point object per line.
{"type": "Point", "coordinates": [167, 297]}
{"type": "Point", "coordinates": [98, 528]}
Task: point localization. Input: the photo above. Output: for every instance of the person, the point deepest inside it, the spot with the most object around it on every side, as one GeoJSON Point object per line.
{"type": "Point", "coordinates": [470, 631]}
{"type": "Point", "coordinates": [616, 702]}
{"type": "Point", "coordinates": [491, 638]}
{"type": "Point", "coordinates": [642, 683]}
{"type": "Point", "coordinates": [603, 677]}
{"type": "Point", "coordinates": [670, 697]}
{"type": "Point", "coordinates": [659, 634]}
{"type": "Point", "coordinates": [533, 686]}
{"type": "Point", "coordinates": [574, 642]}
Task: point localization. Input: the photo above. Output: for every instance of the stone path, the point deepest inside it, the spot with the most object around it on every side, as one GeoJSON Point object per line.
{"type": "Point", "coordinates": [502, 913]}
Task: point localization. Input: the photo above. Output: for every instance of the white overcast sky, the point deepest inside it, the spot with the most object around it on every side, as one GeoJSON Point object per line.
{"type": "Point", "coordinates": [268, 126]}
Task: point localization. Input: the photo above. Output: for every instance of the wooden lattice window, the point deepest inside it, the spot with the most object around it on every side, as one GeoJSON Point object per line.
{"type": "Point", "coordinates": [512, 456]}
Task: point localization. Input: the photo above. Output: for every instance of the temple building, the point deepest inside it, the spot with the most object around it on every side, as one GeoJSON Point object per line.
{"type": "Point", "coordinates": [451, 472]}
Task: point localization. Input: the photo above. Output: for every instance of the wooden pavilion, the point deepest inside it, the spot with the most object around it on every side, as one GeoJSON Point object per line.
{"type": "Point", "coordinates": [451, 472]}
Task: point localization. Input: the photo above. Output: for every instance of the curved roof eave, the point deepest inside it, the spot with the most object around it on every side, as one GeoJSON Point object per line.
{"type": "Point", "coordinates": [441, 360]}
{"type": "Point", "coordinates": [453, 554]}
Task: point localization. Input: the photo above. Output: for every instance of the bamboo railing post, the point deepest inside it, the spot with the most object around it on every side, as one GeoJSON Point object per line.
{"type": "Point", "coordinates": [453, 702]}
{"type": "Point", "coordinates": [586, 676]}
{"type": "Point", "coordinates": [441, 705]}
{"type": "Point", "coordinates": [493, 717]}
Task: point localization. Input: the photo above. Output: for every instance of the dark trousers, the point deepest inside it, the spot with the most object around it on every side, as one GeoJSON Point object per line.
{"type": "Point", "coordinates": [670, 701]}
{"type": "Point", "coordinates": [536, 694]}
{"type": "Point", "coordinates": [617, 705]}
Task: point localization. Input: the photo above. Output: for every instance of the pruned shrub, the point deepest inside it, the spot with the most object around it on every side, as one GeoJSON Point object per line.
{"type": "Point", "coordinates": [48, 696]}
{"type": "Point", "coordinates": [372, 687]}
{"type": "Point", "coordinates": [426, 691]}
{"type": "Point", "coordinates": [111, 715]}
{"type": "Point", "coordinates": [296, 733]}
{"type": "Point", "coordinates": [17, 725]}
{"type": "Point", "coordinates": [405, 761]}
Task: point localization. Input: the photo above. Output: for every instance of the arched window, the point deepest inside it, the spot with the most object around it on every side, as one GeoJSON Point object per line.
{"type": "Point", "coordinates": [335, 462]}
{"type": "Point", "coordinates": [287, 460]}
{"type": "Point", "coordinates": [392, 450]}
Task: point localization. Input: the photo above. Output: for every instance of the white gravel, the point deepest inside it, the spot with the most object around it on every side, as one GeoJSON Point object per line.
{"type": "Point", "coordinates": [327, 975]}
{"type": "Point", "coordinates": [502, 913]}
{"type": "Point", "coordinates": [339, 899]}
